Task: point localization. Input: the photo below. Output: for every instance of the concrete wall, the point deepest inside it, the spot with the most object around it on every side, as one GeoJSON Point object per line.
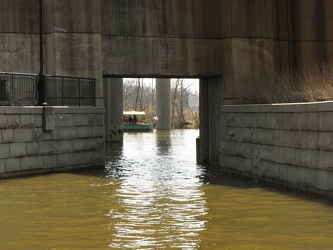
{"type": "Point", "coordinates": [161, 38]}
{"type": "Point", "coordinates": [71, 38]}
{"type": "Point", "coordinates": [302, 33]}
{"type": "Point", "coordinates": [230, 44]}
{"type": "Point", "coordinates": [240, 40]}
{"type": "Point", "coordinates": [247, 45]}
{"type": "Point", "coordinates": [19, 43]}
{"type": "Point", "coordinates": [289, 145]}
{"type": "Point", "coordinates": [37, 140]}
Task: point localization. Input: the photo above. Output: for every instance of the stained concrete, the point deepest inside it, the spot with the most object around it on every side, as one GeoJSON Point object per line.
{"type": "Point", "coordinates": [287, 145]}
{"type": "Point", "coordinates": [241, 40]}
{"type": "Point", "coordinates": [163, 104]}
{"type": "Point", "coordinates": [113, 103]}
{"type": "Point", "coordinates": [37, 140]}
{"type": "Point", "coordinates": [237, 42]}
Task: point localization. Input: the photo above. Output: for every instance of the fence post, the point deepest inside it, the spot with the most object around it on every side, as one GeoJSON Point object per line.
{"type": "Point", "coordinates": [41, 76]}
{"type": "Point", "coordinates": [94, 92]}
{"type": "Point", "coordinates": [79, 91]}
{"type": "Point", "coordinates": [41, 87]}
{"type": "Point", "coordinates": [62, 91]}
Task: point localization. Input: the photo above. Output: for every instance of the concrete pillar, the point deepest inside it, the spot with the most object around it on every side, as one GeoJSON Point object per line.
{"type": "Point", "coordinates": [210, 120]}
{"type": "Point", "coordinates": [67, 54]}
{"type": "Point", "coordinates": [215, 99]}
{"type": "Point", "coordinates": [113, 101]}
{"type": "Point", "coordinates": [247, 45]}
{"type": "Point", "coordinates": [163, 109]}
{"type": "Point", "coordinates": [203, 150]}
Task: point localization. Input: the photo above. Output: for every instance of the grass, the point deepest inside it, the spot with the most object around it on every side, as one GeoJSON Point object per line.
{"type": "Point", "coordinates": [308, 85]}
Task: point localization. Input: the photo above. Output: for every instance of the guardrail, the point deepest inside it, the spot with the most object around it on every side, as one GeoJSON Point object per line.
{"type": "Point", "coordinates": [22, 90]}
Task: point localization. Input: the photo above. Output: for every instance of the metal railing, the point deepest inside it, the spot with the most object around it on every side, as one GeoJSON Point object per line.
{"type": "Point", "coordinates": [70, 91]}
{"type": "Point", "coordinates": [18, 89]}
{"type": "Point", "coordinates": [22, 90]}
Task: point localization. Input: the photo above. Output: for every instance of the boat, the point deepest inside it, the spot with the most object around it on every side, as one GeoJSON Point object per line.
{"type": "Point", "coordinates": [132, 125]}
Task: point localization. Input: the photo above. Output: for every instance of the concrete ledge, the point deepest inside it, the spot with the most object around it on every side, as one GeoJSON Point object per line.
{"type": "Point", "coordinates": [279, 108]}
{"type": "Point", "coordinates": [33, 140]}
{"type": "Point", "coordinates": [289, 145]}
{"type": "Point", "coordinates": [279, 182]}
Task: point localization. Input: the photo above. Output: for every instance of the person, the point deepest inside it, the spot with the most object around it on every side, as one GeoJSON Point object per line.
{"type": "Point", "coordinates": [130, 120]}
{"type": "Point", "coordinates": [135, 120]}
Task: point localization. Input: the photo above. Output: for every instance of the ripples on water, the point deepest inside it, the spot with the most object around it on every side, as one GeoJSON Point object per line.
{"type": "Point", "coordinates": [159, 198]}
{"type": "Point", "coordinates": [152, 195]}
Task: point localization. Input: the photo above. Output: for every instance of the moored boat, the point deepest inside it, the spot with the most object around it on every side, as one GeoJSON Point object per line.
{"type": "Point", "coordinates": [132, 122]}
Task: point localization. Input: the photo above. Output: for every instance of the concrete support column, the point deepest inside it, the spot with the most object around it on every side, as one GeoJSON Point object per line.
{"type": "Point", "coordinates": [215, 99]}
{"type": "Point", "coordinates": [211, 98]}
{"type": "Point", "coordinates": [66, 54]}
{"type": "Point", "coordinates": [113, 101]}
{"type": "Point", "coordinates": [247, 45]}
{"type": "Point", "coordinates": [163, 99]}
{"type": "Point", "coordinates": [203, 150]}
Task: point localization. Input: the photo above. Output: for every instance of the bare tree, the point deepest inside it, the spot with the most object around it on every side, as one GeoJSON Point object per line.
{"type": "Point", "coordinates": [193, 108]}
{"type": "Point", "coordinates": [180, 104]}
{"type": "Point", "coordinates": [174, 96]}
{"type": "Point", "coordinates": [139, 94]}
{"type": "Point", "coordinates": [128, 94]}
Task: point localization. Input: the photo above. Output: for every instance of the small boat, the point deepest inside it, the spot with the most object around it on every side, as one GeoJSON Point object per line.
{"type": "Point", "coordinates": [131, 123]}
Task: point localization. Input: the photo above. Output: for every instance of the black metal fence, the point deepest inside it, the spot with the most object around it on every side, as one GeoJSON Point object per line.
{"type": "Point", "coordinates": [70, 91]}
{"type": "Point", "coordinates": [22, 90]}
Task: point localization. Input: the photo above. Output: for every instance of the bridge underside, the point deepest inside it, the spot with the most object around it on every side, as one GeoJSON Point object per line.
{"type": "Point", "coordinates": [227, 44]}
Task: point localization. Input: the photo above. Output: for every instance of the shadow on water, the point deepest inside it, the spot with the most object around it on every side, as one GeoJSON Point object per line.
{"type": "Point", "coordinates": [159, 196]}
{"type": "Point", "coordinates": [114, 152]}
{"type": "Point", "coordinates": [153, 195]}
{"type": "Point", "coordinates": [211, 174]}
{"type": "Point", "coordinates": [163, 143]}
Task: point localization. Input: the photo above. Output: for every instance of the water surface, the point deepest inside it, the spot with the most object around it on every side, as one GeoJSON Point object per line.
{"type": "Point", "coordinates": [152, 195]}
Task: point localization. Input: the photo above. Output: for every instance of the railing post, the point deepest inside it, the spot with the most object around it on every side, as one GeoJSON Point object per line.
{"type": "Point", "coordinates": [21, 89]}
{"type": "Point", "coordinates": [79, 91]}
{"type": "Point", "coordinates": [94, 92]}
{"type": "Point", "coordinates": [41, 87]}
{"type": "Point", "coordinates": [41, 77]}
{"type": "Point", "coordinates": [12, 98]}
{"type": "Point", "coordinates": [62, 91]}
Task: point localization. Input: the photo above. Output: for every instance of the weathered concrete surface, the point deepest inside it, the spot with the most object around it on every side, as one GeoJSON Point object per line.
{"type": "Point", "coordinates": [163, 104]}
{"type": "Point", "coordinates": [241, 40]}
{"type": "Point", "coordinates": [302, 33]}
{"type": "Point", "coordinates": [19, 50]}
{"type": "Point", "coordinates": [19, 53]}
{"type": "Point", "coordinates": [71, 32]}
{"type": "Point", "coordinates": [247, 45]}
{"type": "Point", "coordinates": [230, 44]}
{"type": "Point", "coordinates": [36, 140]}
{"type": "Point", "coordinates": [161, 38]}
{"type": "Point", "coordinates": [288, 145]}
{"type": "Point", "coordinates": [73, 40]}
{"type": "Point", "coordinates": [113, 103]}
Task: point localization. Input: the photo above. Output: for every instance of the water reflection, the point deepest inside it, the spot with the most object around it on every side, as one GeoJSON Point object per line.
{"type": "Point", "coordinates": [160, 202]}
{"type": "Point", "coordinates": [163, 143]}
{"type": "Point", "coordinates": [153, 196]}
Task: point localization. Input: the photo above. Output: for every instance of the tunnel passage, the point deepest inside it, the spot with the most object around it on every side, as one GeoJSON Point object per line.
{"type": "Point", "coordinates": [208, 119]}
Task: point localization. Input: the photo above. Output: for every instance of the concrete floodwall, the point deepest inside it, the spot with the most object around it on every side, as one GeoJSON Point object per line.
{"type": "Point", "coordinates": [35, 140]}
{"type": "Point", "coordinates": [288, 145]}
